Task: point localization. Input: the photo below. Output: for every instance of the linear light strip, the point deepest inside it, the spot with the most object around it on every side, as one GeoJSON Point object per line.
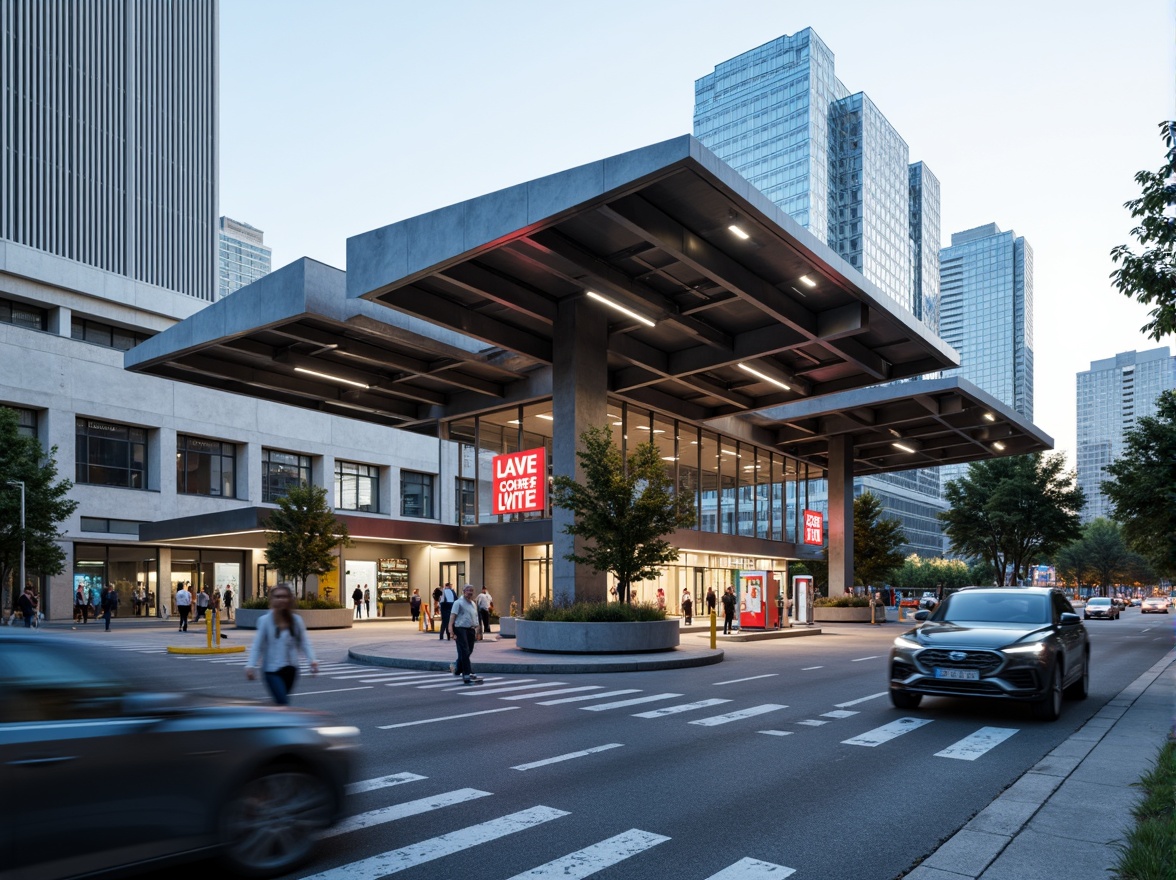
{"type": "Point", "coordinates": [620, 308]}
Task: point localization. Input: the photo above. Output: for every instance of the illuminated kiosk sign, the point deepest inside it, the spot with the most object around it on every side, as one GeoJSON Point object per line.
{"type": "Point", "coordinates": [520, 481]}
{"type": "Point", "coordinates": [814, 527]}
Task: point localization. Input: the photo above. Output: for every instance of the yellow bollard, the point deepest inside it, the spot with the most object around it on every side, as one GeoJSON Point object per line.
{"type": "Point", "coordinates": [714, 629]}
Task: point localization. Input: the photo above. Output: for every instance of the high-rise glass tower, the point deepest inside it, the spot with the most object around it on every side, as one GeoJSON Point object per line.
{"type": "Point", "coordinates": [779, 115]}
{"type": "Point", "coordinates": [243, 256]}
{"type": "Point", "coordinates": [1112, 396]}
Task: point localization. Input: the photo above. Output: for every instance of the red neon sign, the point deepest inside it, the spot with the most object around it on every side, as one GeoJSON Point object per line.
{"type": "Point", "coordinates": [520, 481]}
{"type": "Point", "coordinates": [814, 527]}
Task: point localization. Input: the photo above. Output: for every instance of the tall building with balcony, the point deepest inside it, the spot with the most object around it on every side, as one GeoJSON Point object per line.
{"type": "Point", "coordinates": [1113, 395]}
{"type": "Point", "coordinates": [243, 255]}
{"type": "Point", "coordinates": [829, 158]}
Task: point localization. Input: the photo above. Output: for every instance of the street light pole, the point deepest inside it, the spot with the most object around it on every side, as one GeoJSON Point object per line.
{"type": "Point", "coordinates": [20, 588]}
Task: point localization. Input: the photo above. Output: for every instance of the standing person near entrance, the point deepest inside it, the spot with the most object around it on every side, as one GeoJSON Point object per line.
{"type": "Point", "coordinates": [201, 604]}
{"type": "Point", "coordinates": [26, 602]}
{"type": "Point", "coordinates": [448, 597]}
{"type": "Point", "coordinates": [485, 603]}
{"type": "Point", "coordinates": [687, 607]}
{"type": "Point", "coordinates": [463, 626]}
{"type": "Point", "coordinates": [356, 599]}
{"type": "Point", "coordinates": [228, 602]}
{"type": "Point", "coordinates": [183, 606]}
{"type": "Point", "coordinates": [81, 606]}
{"type": "Point", "coordinates": [367, 601]}
{"type": "Point", "coordinates": [710, 601]}
{"type": "Point", "coordinates": [414, 605]}
{"type": "Point", "coordinates": [728, 610]}
{"type": "Point", "coordinates": [281, 638]}
{"type": "Point", "coordinates": [109, 605]}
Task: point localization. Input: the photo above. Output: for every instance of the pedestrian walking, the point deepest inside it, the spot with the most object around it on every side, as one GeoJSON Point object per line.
{"type": "Point", "coordinates": [728, 610]}
{"type": "Point", "coordinates": [183, 605]}
{"type": "Point", "coordinates": [27, 603]}
{"type": "Point", "coordinates": [280, 640]}
{"type": "Point", "coordinates": [485, 603]}
{"type": "Point", "coordinates": [710, 601]}
{"type": "Point", "coordinates": [687, 607]}
{"type": "Point", "coordinates": [367, 601]}
{"type": "Point", "coordinates": [229, 602]}
{"type": "Point", "coordinates": [201, 604]}
{"type": "Point", "coordinates": [81, 606]}
{"type": "Point", "coordinates": [356, 599]}
{"type": "Point", "coordinates": [464, 626]}
{"type": "Point", "coordinates": [414, 605]}
{"type": "Point", "coordinates": [448, 597]}
{"type": "Point", "coordinates": [661, 599]}
{"type": "Point", "coordinates": [109, 605]}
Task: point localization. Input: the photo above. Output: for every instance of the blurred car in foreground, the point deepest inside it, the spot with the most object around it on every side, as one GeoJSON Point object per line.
{"type": "Point", "coordinates": [1013, 643]}
{"type": "Point", "coordinates": [1154, 604]}
{"type": "Point", "coordinates": [1101, 606]}
{"type": "Point", "coordinates": [100, 777]}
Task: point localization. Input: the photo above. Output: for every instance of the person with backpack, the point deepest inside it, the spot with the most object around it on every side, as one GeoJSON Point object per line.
{"type": "Point", "coordinates": [109, 604]}
{"type": "Point", "coordinates": [280, 639]}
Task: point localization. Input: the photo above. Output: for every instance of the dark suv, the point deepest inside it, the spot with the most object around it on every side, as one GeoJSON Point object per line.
{"type": "Point", "coordinates": [1014, 643]}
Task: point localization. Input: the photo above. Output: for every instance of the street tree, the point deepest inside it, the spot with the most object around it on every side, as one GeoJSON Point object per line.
{"type": "Point", "coordinates": [1012, 511]}
{"type": "Point", "coordinates": [1107, 556]}
{"type": "Point", "coordinates": [1150, 275]}
{"type": "Point", "coordinates": [303, 535]}
{"type": "Point", "coordinates": [877, 543]}
{"type": "Point", "coordinates": [921, 575]}
{"type": "Point", "coordinates": [47, 504]}
{"type": "Point", "coordinates": [1142, 486]}
{"type": "Point", "coordinates": [625, 507]}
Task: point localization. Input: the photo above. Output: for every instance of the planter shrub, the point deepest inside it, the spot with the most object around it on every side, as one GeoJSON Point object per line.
{"type": "Point", "coordinates": [594, 612]}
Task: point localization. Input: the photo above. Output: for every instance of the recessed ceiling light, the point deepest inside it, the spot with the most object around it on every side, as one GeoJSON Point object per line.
{"type": "Point", "coordinates": [807, 281]}
{"type": "Point", "coordinates": [998, 446]}
{"type": "Point", "coordinates": [760, 374]}
{"type": "Point", "coordinates": [547, 417]}
{"type": "Point", "coordinates": [990, 417]}
{"type": "Point", "coordinates": [669, 458]}
{"type": "Point", "coordinates": [331, 378]}
{"type": "Point", "coordinates": [738, 232]}
{"type": "Point", "coordinates": [905, 445]}
{"type": "Point", "coordinates": [620, 308]}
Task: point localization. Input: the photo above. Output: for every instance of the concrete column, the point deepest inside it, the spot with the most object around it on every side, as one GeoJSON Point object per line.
{"type": "Point", "coordinates": [840, 515]}
{"type": "Point", "coordinates": [579, 397]}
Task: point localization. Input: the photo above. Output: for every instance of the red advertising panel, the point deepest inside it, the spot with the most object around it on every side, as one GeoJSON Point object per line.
{"type": "Point", "coordinates": [751, 598]}
{"type": "Point", "coordinates": [520, 481]}
{"type": "Point", "coordinates": [814, 527]}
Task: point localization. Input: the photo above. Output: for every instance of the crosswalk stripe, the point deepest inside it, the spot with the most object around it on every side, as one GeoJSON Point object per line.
{"type": "Point", "coordinates": [583, 697]}
{"type": "Point", "coordinates": [752, 678]}
{"type": "Point", "coordinates": [454, 683]}
{"type": "Point", "coordinates": [737, 716]}
{"type": "Point", "coordinates": [589, 687]}
{"type": "Point", "coordinates": [365, 687]}
{"type": "Point", "coordinates": [777, 732]}
{"type": "Point", "coordinates": [839, 713]}
{"type": "Point", "coordinates": [483, 692]}
{"type": "Point", "coordinates": [568, 757]}
{"type": "Point", "coordinates": [403, 811]}
{"type": "Point", "coordinates": [397, 860]}
{"type": "Point", "coordinates": [620, 704]}
{"type": "Point", "coordinates": [682, 707]}
{"type": "Point", "coordinates": [886, 732]}
{"type": "Point", "coordinates": [588, 861]}
{"type": "Point", "coordinates": [383, 782]}
{"type": "Point", "coordinates": [384, 679]}
{"type": "Point", "coordinates": [446, 718]}
{"type": "Point", "coordinates": [411, 681]}
{"type": "Point", "coordinates": [972, 747]}
{"type": "Point", "coordinates": [859, 700]}
{"type": "Point", "coordinates": [812, 722]}
{"type": "Point", "coordinates": [752, 869]}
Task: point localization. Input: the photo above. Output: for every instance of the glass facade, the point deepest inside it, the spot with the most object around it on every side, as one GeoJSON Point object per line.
{"type": "Point", "coordinates": [108, 454]}
{"type": "Point", "coordinates": [242, 256]}
{"type": "Point", "coordinates": [416, 494]}
{"type": "Point", "coordinates": [357, 486]}
{"type": "Point", "coordinates": [280, 471]}
{"type": "Point", "coordinates": [99, 333]}
{"type": "Point", "coordinates": [23, 315]}
{"type": "Point", "coordinates": [205, 467]}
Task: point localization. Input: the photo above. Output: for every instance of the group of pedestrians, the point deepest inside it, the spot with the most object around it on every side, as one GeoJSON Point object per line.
{"type": "Point", "coordinates": [362, 600]}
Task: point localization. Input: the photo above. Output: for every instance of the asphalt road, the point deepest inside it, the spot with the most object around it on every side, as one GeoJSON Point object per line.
{"type": "Point", "coordinates": [787, 757]}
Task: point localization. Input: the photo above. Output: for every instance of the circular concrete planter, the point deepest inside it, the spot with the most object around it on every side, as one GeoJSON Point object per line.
{"type": "Point", "coordinates": [507, 627]}
{"type": "Point", "coordinates": [832, 614]}
{"type": "Point", "coordinates": [314, 618]}
{"type": "Point", "coordinates": [632, 637]}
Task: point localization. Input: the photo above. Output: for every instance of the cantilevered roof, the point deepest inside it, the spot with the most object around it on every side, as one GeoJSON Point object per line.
{"type": "Point", "coordinates": [453, 312]}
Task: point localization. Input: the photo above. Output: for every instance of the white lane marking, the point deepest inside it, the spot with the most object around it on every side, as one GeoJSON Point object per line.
{"type": "Point", "coordinates": [860, 659]}
{"type": "Point", "coordinates": [403, 811]}
{"type": "Point", "coordinates": [446, 718]}
{"type": "Point", "coordinates": [776, 732]}
{"type": "Point", "coordinates": [383, 782]}
{"type": "Point", "coordinates": [620, 704]}
{"type": "Point", "coordinates": [569, 756]}
{"type": "Point", "coordinates": [366, 687]}
{"type": "Point", "coordinates": [408, 682]}
{"type": "Point", "coordinates": [481, 692]}
{"type": "Point", "coordinates": [397, 860]}
{"type": "Point", "coordinates": [587, 861]}
{"type": "Point", "coordinates": [808, 668]}
{"type": "Point", "coordinates": [454, 683]}
{"type": "Point", "coordinates": [812, 722]}
{"type": "Point", "coordinates": [383, 679]}
{"type": "Point", "coordinates": [367, 673]}
{"type": "Point", "coordinates": [589, 697]}
{"type": "Point", "coordinates": [859, 700]}
{"type": "Point", "coordinates": [588, 687]}
{"type": "Point", "coordinates": [751, 678]}
{"type": "Point", "coordinates": [737, 716]}
{"type": "Point", "coordinates": [752, 869]}
{"type": "Point", "coordinates": [972, 747]}
{"type": "Point", "coordinates": [839, 713]}
{"type": "Point", "coordinates": [682, 707]}
{"type": "Point", "coordinates": [886, 732]}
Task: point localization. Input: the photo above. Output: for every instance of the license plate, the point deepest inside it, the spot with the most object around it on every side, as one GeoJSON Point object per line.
{"type": "Point", "coordinates": [957, 674]}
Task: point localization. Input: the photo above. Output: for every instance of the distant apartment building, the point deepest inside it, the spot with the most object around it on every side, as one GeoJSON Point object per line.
{"type": "Point", "coordinates": [1113, 395]}
{"type": "Point", "coordinates": [243, 256]}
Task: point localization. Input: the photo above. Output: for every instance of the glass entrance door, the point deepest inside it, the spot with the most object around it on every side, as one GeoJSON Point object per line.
{"type": "Point", "coordinates": [451, 573]}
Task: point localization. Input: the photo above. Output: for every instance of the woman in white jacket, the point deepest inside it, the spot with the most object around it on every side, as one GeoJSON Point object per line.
{"type": "Point", "coordinates": [281, 637]}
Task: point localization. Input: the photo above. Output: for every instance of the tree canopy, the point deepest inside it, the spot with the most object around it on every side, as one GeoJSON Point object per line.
{"type": "Point", "coordinates": [1142, 486]}
{"type": "Point", "coordinates": [929, 574]}
{"type": "Point", "coordinates": [1150, 275]}
{"type": "Point", "coordinates": [1100, 557]}
{"type": "Point", "coordinates": [1010, 511]}
{"type": "Point", "coordinates": [625, 507]}
{"type": "Point", "coordinates": [46, 505]}
{"type": "Point", "coordinates": [876, 546]}
{"type": "Point", "coordinates": [303, 535]}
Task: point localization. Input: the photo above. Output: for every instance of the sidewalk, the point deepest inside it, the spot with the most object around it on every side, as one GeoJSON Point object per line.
{"type": "Point", "coordinates": [1064, 815]}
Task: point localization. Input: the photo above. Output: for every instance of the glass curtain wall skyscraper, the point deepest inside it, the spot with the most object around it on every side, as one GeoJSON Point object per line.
{"type": "Point", "coordinates": [779, 115]}
{"type": "Point", "coordinates": [1112, 396]}
{"type": "Point", "coordinates": [243, 256]}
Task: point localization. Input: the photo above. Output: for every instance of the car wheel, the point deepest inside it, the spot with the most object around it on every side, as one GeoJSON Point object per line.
{"type": "Point", "coordinates": [268, 824]}
{"type": "Point", "coordinates": [1081, 688]}
{"type": "Point", "coordinates": [905, 699]}
{"type": "Point", "coordinates": [1049, 707]}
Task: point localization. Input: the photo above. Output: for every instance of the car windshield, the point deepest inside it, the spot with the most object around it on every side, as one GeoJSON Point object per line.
{"type": "Point", "coordinates": [1005, 607]}
{"type": "Point", "coordinates": [1099, 602]}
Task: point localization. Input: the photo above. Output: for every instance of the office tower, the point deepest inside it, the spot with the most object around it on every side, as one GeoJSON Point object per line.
{"type": "Point", "coordinates": [243, 256]}
{"type": "Point", "coordinates": [779, 115]}
{"type": "Point", "coordinates": [1112, 396]}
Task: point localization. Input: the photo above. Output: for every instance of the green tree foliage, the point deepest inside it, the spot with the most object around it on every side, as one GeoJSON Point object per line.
{"type": "Point", "coordinates": [303, 535]}
{"type": "Point", "coordinates": [1100, 558]}
{"type": "Point", "coordinates": [1011, 511]}
{"type": "Point", "coordinates": [1150, 276]}
{"type": "Point", "coordinates": [928, 574]}
{"type": "Point", "coordinates": [46, 505]}
{"type": "Point", "coordinates": [876, 546]}
{"type": "Point", "coordinates": [624, 507]}
{"type": "Point", "coordinates": [1142, 488]}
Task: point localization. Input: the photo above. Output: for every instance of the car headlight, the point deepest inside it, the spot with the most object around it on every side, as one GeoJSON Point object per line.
{"type": "Point", "coordinates": [340, 735]}
{"type": "Point", "coordinates": [1030, 648]}
{"type": "Point", "coordinates": [904, 642]}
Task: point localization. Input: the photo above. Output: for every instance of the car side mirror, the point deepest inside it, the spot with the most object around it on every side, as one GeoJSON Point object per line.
{"type": "Point", "coordinates": [1069, 618]}
{"type": "Point", "coordinates": [922, 615]}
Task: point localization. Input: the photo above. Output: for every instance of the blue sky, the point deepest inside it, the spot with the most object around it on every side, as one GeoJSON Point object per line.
{"type": "Point", "coordinates": [341, 117]}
